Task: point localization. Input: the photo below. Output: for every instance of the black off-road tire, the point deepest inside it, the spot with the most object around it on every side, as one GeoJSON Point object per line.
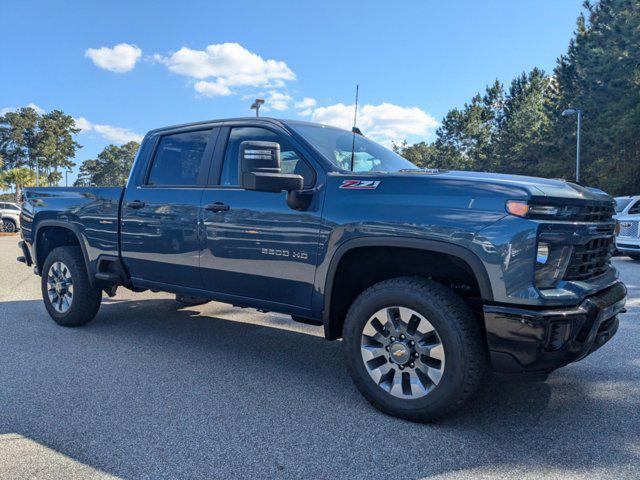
{"type": "Point", "coordinates": [635, 256]}
{"type": "Point", "coordinates": [86, 298]}
{"type": "Point", "coordinates": [459, 332]}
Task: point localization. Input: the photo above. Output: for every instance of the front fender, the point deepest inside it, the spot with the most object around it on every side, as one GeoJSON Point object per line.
{"type": "Point", "coordinates": [326, 272]}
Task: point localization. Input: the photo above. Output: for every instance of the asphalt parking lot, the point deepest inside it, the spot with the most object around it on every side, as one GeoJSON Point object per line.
{"type": "Point", "coordinates": [152, 390]}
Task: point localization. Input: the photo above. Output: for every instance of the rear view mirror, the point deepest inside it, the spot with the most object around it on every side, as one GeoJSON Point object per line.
{"type": "Point", "coordinates": [259, 166]}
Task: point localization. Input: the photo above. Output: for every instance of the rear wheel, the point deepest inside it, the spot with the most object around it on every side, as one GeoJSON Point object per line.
{"type": "Point", "coordinates": [413, 348]}
{"type": "Point", "coordinates": [67, 293]}
{"type": "Point", "coordinates": [9, 225]}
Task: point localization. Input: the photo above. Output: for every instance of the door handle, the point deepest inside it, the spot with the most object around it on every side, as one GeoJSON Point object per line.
{"type": "Point", "coordinates": [217, 207]}
{"type": "Point", "coordinates": [136, 204]}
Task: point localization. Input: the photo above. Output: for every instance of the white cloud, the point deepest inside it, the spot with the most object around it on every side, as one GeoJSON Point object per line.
{"type": "Point", "coordinates": [38, 110]}
{"type": "Point", "coordinates": [83, 124]}
{"type": "Point", "coordinates": [117, 134]}
{"type": "Point", "coordinates": [113, 134]}
{"type": "Point", "coordinates": [211, 89]}
{"type": "Point", "coordinates": [305, 113]}
{"type": "Point", "coordinates": [278, 100]}
{"type": "Point", "coordinates": [230, 64]}
{"type": "Point", "coordinates": [383, 122]}
{"type": "Point", "coordinates": [120, 59]}
{"type": "Point", "coordinates": [306, 103]}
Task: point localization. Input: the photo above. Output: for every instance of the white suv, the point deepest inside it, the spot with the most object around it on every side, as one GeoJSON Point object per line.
{"type": "Point", "coordinates": [10, 214]}
{"type": "Point", "coordinates": [628, 214]}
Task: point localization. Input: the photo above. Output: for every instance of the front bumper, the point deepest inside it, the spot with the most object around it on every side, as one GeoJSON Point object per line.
{"type": "Point", "coordinates": [627, 245]}
{"type": "Point", "coordinates": [525, 342]}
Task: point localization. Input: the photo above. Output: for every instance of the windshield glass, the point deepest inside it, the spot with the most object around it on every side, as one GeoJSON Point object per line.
{"type": "Point", "coordinates": [621, 203]}
{"type": "Point", "coordinates": [335, 145]}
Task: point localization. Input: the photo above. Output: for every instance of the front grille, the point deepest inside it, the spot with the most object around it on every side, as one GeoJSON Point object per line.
{"type": "Point", "coordinates": [595, 213]}
{"type": "Point", "coordinates": [590, 259]}
{"type": "Point", "coordinates": [629, 229]}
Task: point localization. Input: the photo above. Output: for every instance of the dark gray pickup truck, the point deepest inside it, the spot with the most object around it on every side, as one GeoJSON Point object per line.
{"type": "Point", "coordinates": [432, 279]}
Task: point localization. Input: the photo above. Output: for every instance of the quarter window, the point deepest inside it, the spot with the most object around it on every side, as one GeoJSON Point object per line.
{"type": "Point", "coordinates": [178, 159]}
{"type": "Point", "coordinates": [290, 160]}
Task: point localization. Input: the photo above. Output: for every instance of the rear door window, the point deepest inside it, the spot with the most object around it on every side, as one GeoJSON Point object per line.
{"type": "Point", "coordinates": [178, 160]}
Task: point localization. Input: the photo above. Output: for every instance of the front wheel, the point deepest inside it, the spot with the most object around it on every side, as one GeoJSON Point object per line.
{"type": "Point", "coordinates": [635, 256]}
{"type": "Point", "coordinates": [68, 295]}
{"type": "Point", "coordinates": [413, 348]}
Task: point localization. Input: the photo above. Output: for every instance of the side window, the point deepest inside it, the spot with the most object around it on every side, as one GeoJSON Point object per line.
{"type": "Point", "coordinates": [290, 160]}
{"type": "Point", "coordinates": [178, 159]}
{"type": "Point", "coordinates": [635, 208]}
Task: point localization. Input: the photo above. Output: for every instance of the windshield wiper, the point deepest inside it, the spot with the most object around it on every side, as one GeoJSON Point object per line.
{"type": "Point", "coordinates": [432, 171]}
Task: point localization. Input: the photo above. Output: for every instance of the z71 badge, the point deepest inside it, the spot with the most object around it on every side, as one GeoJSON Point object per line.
{"type": "Point", "coordinates": [360, 184]}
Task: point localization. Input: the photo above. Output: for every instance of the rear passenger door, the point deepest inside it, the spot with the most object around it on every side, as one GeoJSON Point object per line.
{"type": "Point", "coordinates": [160, 213]}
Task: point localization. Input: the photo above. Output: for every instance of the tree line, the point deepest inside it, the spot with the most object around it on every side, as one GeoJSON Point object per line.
{"type": "Point", "coordinates": [506, 129]}
{"type": "Point", "coordinates": [519, 129]}
{"type": "Point", "coordinates": [39, 147]}
{"type": "Point", "coordinates": [34, 145]}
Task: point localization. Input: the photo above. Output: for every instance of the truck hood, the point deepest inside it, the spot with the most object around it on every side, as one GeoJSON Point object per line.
{"type": "Point", "coordinates": [537, 187]}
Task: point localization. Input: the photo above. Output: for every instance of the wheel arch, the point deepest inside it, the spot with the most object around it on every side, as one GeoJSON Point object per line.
{"type": "Point", "coordinates": [57, 228]}
{"type": "Point", "coordinates": [333, 325]}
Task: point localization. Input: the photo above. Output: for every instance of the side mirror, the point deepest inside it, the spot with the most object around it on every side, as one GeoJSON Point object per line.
{"type": "Point", "coordinates": [259, 166]}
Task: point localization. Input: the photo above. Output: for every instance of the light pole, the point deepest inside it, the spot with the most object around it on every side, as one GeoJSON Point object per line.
{"type": "Point", "coordinates": [578, 113]}
{"type": "Point", "coordinates": [256, 105]}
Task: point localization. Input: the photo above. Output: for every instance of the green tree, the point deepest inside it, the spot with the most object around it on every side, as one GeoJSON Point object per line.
{"type": "Point", "coordinates": [56, 144]}
{"type": "Point", "coordinates": [19, 138]}
{"type": "Point", "coordinates": [521, 144]}
{"type": "Point", "coordinates": [110, 168]}
{"type": "Point", "coordinates": [16, 179]}
{"type": "Point", "coordinates": [522, 131]}
{"type": "Point", "coordinates": [465, 140]}
{"type": "Point", "coordinates": [45, 142]}
{"type": "Point", "coordinates": [600, 74]}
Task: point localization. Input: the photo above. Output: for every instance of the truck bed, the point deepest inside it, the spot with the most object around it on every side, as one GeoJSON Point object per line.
{"type": "Point", "coordinates": [92, 212]}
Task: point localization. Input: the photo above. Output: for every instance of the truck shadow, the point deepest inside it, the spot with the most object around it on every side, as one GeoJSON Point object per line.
{"type": "Point", "coordinates": [149, 390]}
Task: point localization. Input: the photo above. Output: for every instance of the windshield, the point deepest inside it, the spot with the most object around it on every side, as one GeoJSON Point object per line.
{"type": "Point", "coordinates": [621, 203]}
{"type": "Point", "coordinates": [335, 145]}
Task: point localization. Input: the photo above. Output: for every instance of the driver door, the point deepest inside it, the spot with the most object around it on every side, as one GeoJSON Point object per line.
{"type": "Point", "coordinates": [256, 246]}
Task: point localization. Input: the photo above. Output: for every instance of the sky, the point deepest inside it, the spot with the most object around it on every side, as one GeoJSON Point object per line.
{"type": "Point", "coordinates": [121, 68]}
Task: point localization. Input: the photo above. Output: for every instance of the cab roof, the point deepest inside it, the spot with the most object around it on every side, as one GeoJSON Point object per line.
{"type": "Point", "coordinates": [276, 121]}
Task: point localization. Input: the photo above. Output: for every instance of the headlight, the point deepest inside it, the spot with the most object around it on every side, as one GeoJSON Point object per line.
{"type": "Point", "coordinates": [551, 263]}
{"type": "Point", "coordinates": [521, 208]}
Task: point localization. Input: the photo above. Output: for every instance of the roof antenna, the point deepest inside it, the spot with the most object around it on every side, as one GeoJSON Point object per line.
{"type": "Point", "coordinates": [354, 130]}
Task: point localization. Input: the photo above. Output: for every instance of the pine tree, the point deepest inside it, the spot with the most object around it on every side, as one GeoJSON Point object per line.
{"type": "Point", "coordinates": [110, 168]}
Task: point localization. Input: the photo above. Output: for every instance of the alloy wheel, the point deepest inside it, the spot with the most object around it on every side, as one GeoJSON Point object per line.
{"type": "Point", "coordinates": [60, 287]}
{"type": "Point", "coordinates": [402, 352]}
